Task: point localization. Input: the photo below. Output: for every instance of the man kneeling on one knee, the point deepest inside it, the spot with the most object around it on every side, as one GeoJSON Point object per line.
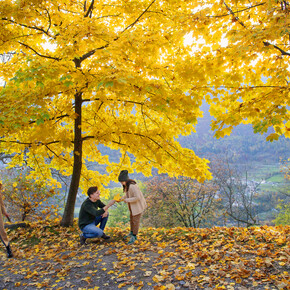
{"type": "Point", "coordinates": [92, 213]}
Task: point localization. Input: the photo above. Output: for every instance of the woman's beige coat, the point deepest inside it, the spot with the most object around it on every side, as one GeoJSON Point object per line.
{"type": "Point", "coordinates": [136, 200]}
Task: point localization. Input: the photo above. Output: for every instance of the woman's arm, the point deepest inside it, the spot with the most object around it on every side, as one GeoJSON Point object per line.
{"type": "Point", "coordinates": [133, 193]}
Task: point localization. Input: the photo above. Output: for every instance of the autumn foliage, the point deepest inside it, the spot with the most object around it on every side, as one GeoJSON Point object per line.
{"type": "Point", "coordinates": [88, 73]}
{"type": "Point", "coordinates": [25, 198]}
{"type": "Point", "coordinates": [179, 201]}
{"type": "Point", "coordinates": [47, 255]}
{"type": "Point", "coordinates": [132, 76]}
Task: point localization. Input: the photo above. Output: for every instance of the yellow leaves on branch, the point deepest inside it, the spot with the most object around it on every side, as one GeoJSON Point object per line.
{"type": "Point", "coordinates": [126, 63]}
{"type": "Point", "coordinates": [243, 66]}
{"type": "Point", "coordinates": [139, 86]}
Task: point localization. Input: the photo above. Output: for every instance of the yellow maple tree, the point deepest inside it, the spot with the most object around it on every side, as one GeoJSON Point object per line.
{"type": "Point", "coordinates": [119, 73]}
{"type": "Point", "coordinates": [86, 73]}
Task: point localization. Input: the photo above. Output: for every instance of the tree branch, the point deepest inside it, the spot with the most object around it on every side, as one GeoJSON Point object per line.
{"type": "Point", "coordinates": [245, 9]}
{"type": "Point", "coordinates": [138, 18]}
{"type": "Point", "coordinates": [58, 156]}
{"type": "Point", "coordinates": [90, 9]}
{"type": "Point", "coordinates": [283, 52]}
{"type": "Point", "coordinates": [135, 134]}
{"type": "Point", "coordinates": [52, 119]}
{"type": "Point", "coordinates": [235, 17]}
{"type": "Point", "coordinates": [41, 55]}
{"type": "Point", "coordinates": [118, 100]}
{"type": "Point", "coordinates": [92, 52]}
{"type": "Point", "coordinates": [30, 27]}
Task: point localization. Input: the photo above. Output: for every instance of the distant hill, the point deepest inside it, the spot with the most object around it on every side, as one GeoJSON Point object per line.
{"type": "Point", "coordinates": [243, 142]}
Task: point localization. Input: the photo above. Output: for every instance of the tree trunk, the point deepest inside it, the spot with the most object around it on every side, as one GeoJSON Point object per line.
{"type": "Point", "coordinates": [68, 215]}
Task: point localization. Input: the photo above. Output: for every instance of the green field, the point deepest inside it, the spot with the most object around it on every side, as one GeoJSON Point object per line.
{"type": "Point", "coordinates": [276, 178]}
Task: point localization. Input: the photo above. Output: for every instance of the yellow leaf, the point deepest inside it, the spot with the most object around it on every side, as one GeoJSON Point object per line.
{"type": "Point", "coordinates": [87, 279]}
{"type": "Point", "coordinates": [272, 137]}
{"type": "Point", "coordinates": [118, 197]}
{"type": "Point", "coordinates": [147, 273]}
{"type": "Point", "coordinates": [158, 278]}
{"type": "Point", "coordinates": [190, 266]}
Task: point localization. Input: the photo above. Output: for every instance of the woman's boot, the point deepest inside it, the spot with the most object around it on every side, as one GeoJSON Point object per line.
{"type": "Point", "coordinates": [128, 236]}
{"type": "Point", "coordinates": [9, 251]}
{"type": "Point", "coordinates": [133, 239]}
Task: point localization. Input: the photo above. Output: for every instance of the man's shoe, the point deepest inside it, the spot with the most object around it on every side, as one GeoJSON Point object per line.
{"type": "Point", "coordinates": [82, 240]}
{"type": "Point", "coordinates": [9, 252]}
{"type": "Point", "coordinates": [105, 237]}
{"type": "Point", "coordinates": [133, 239]}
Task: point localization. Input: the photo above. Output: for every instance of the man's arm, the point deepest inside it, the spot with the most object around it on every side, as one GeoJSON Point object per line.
{"type": "Point", "coordinates": [110, 203]}
{"type": "Point", "coordinates": [106, 207]}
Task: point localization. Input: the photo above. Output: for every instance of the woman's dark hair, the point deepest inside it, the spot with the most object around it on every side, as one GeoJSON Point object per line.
{"type": "Point", "coordinates": [127, 184]}
{"type": "Point", "coordinates": [91, 190]}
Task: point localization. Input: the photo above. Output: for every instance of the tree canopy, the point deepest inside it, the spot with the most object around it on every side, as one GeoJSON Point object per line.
{"type": "Point", "coordinates": [120, 74]}
{"type": "Point", "coordinates": [246, 55]}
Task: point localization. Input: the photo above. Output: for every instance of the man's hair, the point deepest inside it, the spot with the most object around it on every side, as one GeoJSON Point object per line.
{"type": "Point", "coordinates": [91, 190]}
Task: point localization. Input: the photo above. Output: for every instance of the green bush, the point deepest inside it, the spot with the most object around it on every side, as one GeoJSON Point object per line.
{"type": "Point", "coordinates": [283, 217]}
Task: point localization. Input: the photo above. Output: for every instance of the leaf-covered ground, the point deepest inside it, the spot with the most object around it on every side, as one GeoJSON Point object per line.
{"type": "Point", "coordinates": [50, 257]}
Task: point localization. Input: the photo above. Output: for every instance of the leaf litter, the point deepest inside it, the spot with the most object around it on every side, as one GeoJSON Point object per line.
{"type": "Point", "coordinates": [48, 256]}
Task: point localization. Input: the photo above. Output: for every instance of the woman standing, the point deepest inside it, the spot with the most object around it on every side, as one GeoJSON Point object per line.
{"type": "Point", "coordinates": [136, 203]}
{"type": "Point", "coordinates": [3, 234]}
